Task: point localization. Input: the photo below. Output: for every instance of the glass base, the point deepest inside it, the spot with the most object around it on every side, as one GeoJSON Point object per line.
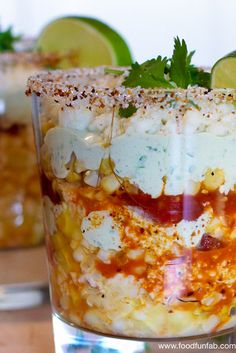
{"type": "Point", "coordinates": [69, 339]}
{"type": "Point", "coordinates": [23, 278]}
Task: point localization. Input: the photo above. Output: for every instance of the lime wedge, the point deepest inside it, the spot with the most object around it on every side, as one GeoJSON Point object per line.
{"type": "Point", "coordinates": [223, 73]}
{"type": "Point", "coordinates": [84, 42]}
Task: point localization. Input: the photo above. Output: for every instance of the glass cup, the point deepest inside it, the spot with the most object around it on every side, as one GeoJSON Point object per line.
{"type": "Point", "coordinates": [20, 206]}
{"type": "Point", "coordinates": [21, 227]}
{"type": "Point", "coordinates": [139, 205]}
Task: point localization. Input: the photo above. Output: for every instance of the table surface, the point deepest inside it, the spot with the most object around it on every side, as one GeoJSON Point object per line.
{"type": "Point", "coordinates": [26, 331]}
{"type": "Point", "coordinates": [29, 330]}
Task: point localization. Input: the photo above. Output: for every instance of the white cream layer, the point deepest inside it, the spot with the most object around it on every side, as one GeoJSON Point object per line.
{"type": "Point", "coordinates": [145, 159]}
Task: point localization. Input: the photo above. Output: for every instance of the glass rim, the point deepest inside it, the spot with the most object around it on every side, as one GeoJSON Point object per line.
{"type": "Point", "coordinates": [9, 58]}
{"type": "Point", "coordinates": [82, 86]}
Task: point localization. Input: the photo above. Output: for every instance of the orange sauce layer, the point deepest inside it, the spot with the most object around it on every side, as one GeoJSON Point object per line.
{"type": "Point", "coordinates": [136, 268]}
{"type": "Point", "coordinates": [194, 273]}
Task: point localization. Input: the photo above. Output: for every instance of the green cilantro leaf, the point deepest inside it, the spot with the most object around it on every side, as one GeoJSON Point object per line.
{"type": "Point", "coordinates": [168, 73]}
{"type": "Point", "coordinates": [180, 62]}
{"type": "Point", "coordinates": [200, 77]}
{"type": "Point", "coordinates": [127, 112]}
{"type": "Point", "coordinates": [7, 40]}
{"type": "Point", "coordinates": [115, 72]}
{"type": "Point", "coordinates": [189, 57]}
{"type": "Point", "coordinates": [150, 74]}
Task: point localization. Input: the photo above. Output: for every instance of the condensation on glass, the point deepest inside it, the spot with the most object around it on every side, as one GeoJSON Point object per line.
{"type": "Point", "coordinates": [139, 210]}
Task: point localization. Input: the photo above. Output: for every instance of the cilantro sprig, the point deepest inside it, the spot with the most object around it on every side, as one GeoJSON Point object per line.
{"type": "Point", "coordinates": [178, 71]}
{"type": "Point", "coordinates": [7, 40]}
{"type": "Point", "coordinates": [150, 74]}
{"type": "Point", "coordinates": [200, 77]}
{"type": "Point", "coordinates": [115, 72]}
{"type": "Point", "coordinates": [180, 64]}
{"type": "Point", "coordinates": [127, 112]}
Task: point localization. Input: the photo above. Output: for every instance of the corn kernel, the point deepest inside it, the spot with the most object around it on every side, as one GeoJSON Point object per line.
{"type": "Point", "coordinates": [47, 125]}
{"type": "Point", "coordinates": [139, 270]}
{"type": "Point", "coordinates": [91, 178]}
{"type": "Point", "coordinates": [74, 294]}
{"type": "Point", "coordinates": [150, 258]}
{"type": "Point", "coordinates": [110, 184]}
{"type": "Point", "coordinates": [211, 299]}
{"type": "Point", "coordinates": [64, 254]}
{"type": "Point", "coordinates": [65, 224]}
{"type": "Point", "coordinates": [78, 255]}
{"type": "Point", "coordinates": [74, 244]}
{"type": "Point", "coordinates": [93, 319]}
{"type": "Point", "coordinates": [233, 234]}
{"type": "Point", "coordinates": [134, 254]}
{"type": "Point", "coordinates": [73, 177]}
{"type": "Point", "coordinates": [100, 195]}
{"type": "Point", "coordinates": [213, 179]}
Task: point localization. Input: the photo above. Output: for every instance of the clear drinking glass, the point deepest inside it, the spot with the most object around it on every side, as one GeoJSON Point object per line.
{"type": "Point", "coordinates": [20, 206]}
{"type": "Point", "coordinates": [21, 227]}
{"type": "Point", "coordinates": [140, 206]}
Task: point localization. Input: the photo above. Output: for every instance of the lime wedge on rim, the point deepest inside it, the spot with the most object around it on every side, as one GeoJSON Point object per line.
{"type": "Point", "coordinates": [223, 73]}
{"type": "Point", "coordinates": [82, 42]}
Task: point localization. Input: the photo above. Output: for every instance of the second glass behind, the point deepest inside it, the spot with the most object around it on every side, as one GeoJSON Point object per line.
{"type": "Point", "coordinates": [140, 204]}
{"type": "Point", "coordinates": [20, 206]}
{"type": "Point", "coordinates": [21, 225]}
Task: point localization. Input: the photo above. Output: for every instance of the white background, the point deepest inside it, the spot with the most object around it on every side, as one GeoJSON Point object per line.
{"type": "Point", "coordinates": [209, 26]}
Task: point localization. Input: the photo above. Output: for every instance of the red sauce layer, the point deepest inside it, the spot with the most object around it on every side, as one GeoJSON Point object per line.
{"type": "Point", "coordinates": [172, 209]}
{"type": "Point", "coordinates": [165, 209]}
